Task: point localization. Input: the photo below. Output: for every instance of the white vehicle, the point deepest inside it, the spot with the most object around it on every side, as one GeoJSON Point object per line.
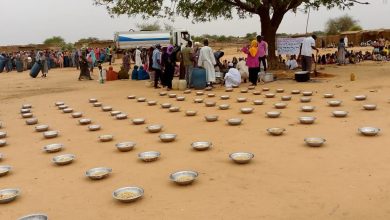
{"type": "Point", "coordinates": [133, 39]}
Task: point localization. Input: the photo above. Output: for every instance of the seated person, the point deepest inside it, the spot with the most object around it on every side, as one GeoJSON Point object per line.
{"type": "Point", "coordinates": [232, 77]}
{"type": "Point", "coordinates": [243, 69]}
{"type": "Point", "coordinates": [292, 63]}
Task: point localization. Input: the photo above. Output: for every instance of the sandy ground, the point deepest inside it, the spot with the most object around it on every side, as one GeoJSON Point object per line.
{"type": "Point", "coordinates": [347, 178]}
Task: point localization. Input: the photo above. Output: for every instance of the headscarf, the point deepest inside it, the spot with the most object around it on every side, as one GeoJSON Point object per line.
{"type": "Point", "coordinates": [170, 49]}
{"type": "Point", "coordinates": [253, 49]}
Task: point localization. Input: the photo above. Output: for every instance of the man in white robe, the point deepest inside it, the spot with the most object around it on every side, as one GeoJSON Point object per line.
{"type": "Point", "coordinates": [138, 61]}
{"type": "Point", "coordinates": [232, 77]}
{"type": "Point", "coordinates": [207, 61]}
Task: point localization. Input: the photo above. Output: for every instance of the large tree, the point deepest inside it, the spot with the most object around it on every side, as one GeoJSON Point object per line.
{"type": "Point", "coordinates": [270, 12]}
{"type": "Point", "coordinates": [341, 24]}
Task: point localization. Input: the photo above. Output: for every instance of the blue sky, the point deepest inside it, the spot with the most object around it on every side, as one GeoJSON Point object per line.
{"type": "Point", "coordinates": [32, 21]}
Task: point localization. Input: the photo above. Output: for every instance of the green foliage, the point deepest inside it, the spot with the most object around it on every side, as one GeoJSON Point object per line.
{"type": "Point", "coordinates": [68, 46]}
{"type": "Point", "coordinates": [55, 41]}
{"type": "Point", "coordinates": [344, 23]}
{"type": "Point", "coordinates": [155, 26]}
{"type": "Point", "coordinates": [87, 40]}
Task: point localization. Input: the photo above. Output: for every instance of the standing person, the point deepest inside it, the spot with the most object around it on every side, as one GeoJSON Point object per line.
{"type": "Point", "coordinates": [77, 59]}
{"type": "Point", "coordinates": [381, 43]}
{"type": "Point", "coordinates": [93, 59]}
{"type": "Point", "coordinates": [109, 54]}
{"type": "Point", "coordinates": [137, 59]}
{"type": "Point", "coordinates": [168, 62]}
{"type": "Point", "coordinates": [97, 53]}
{"type": "Point", "coordinates": [252, 61]}
{"type": "Point", "coordinates": [207, 61]}
{"type": "Point", "coordinates": [308, 44]}
{"type": "Point", "coordinates": [187, 57]}
{"type": "Point", "coordinates": [84, 70]}
{"type": "Point", "coordinates": [43, 63]}
{"type": "Point", "coordinates": [60, 59]}
{"type": "Point", "coordinates": [156, 65]}
{"type": "Point", "coordinates": [341, 52]}
{"type": "Point", "coordinates": [126, 62]}
{"type": "Point", "coordinates": [346, 41]}
{"type": "Point", "coordinates": [263, 51]}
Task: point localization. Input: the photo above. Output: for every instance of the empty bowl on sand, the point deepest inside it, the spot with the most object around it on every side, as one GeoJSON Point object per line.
{"type": "Point", "coordinates": [172, 95]}
{"type": "Point", "coordinates": [115, 113]}
{"type": "Point", "coordinates": [307, 119]}
{"type": "Point", "coordinates": [67, 110]}
{"type": "Point", "coordinates": [121, 116]}
{"type": "Point", "coordinates": [328, 95]}
{"type": "Point", "coordinates": [224, 106]}
{"type": "Point", "coordinates": [8, 195]}
{"type": "Point", "coordinates": [241, 99]}
{"type": "Point", "coordinates": [98, 173]}
{"type": "Point", "coordinates": [59, 103]}
{"type": "Point", "coordinates": [167, 137]}
{"type": "Point", "coordinates": [141, 99]}
{"type": "Point", "coordinates": [92, 100]}
{"type": "Point", "coordinates": [77, 114]}
{"type": "Point", "coordinates": [270, 95]}
{"type": "Point", "coordinates": [279, 90]}
{"type": "Point", "coordinates": [280, 105]}
{"type": "Point", "coordinates": [62, 107]}
{"type": "Point", "coordinates": [251, 87]}
{"type": "Point", "coordinates": [26, 106]}
{"type": "Point", "coordinates": [149, 156]}
{"type": "Point", "coordinates": [50, 134]}
{"type": "Point", "coordinates": [229, 90]}
{"type": "Point", "coordinates": [360, 97]}
{"type": "Point", "coordinates": [256, 93]}
{"type": "Point", "coordinates": [154, 128]}
{"type": "Point", "coordinates": [106, 108]}
{"type": "Point", "coordinates": [187, 91]}
{"type": "Point", "coordinates": [128, 194]}
{"type": "Point", "coordinates": [244, 91]}
{"type": "Point", "coordinates": [25, 110]}
{"type": "Point", "coordinates": [305, 99]}
{"type": "Point", "coordinates": [265, 89]}
{"type": "Point", "coordinates": [85, 121]}
{"type": "Point", "coordinates": [63, 159]}
{"type": "Point", "coordinates": [163, 93]}
{"type": "Point", "coordinates": [198, 100]}
{"type": "Point", "coordinates": [210, 95]}
{"type": "Point", "coordinates": [315, 141]}
{"type": "Point", "coordinates": [369, 131]}
{"type": "Point", "coordinates": [191, 113]}
{"type": "Point", "coordinates": [4, 170]}
{"type": "Point", "coordinates": [225, 97]}
{"type": "Point", "coordinates": [131, 97]}
{"type": "Point", "coordinates": [53, 148]}
{"type": "Point", "coordinates": [106, 138]}
{"type": "Point", "coordinates": [210, 103]}
{"type": "Point", "coordinates": [307, 93]}
{"type": "Point", "coordinates": [152, 103]}
{"type": "Point", "coordinates": [3, 134]}
{"type": "Point", "coordinates": [334, 103]}
{"type": "Point", "coordinates": [138, 121]}
{"type": "Point", "coordinates": [258, 102]}
{"type": "Point", "coordinates": [166, 105]}
{"type": "Point", "coordinates": [94, 127]}
{"type": "Point", "coordinates": [295, 91]}
{"type": "Point", "coordinates": [199, 93]}
{"type": "Point", "coordinates": [286, 98]}
{"type": "Point", "coordinates": [242, 157]}
{"type": "Point", "coordinates": [211, 118]}
{"type": "Point", "coordinates": [369, 107]}
{"type": "Point", "coordinates": [273, 114]}
{"type": "Point", "coordinates": [340, 114]}
{"type": "Point", "coordinates": [234, 121]}
{"type": "Point", "coordinates": [34, 217]}
{"type": "Point", "coordinates": [42, 128]}
{"type": "Point", "coordinates": [308, 108]}
{"type": "Point", "coordinates": [3, 143]}
{"type": "Point", "coordinates": [32, 121]}
{"type": "Point", "coordinates": [184, 177]}
{"type": "Point", "coordinates": [180, 98]}
{"type": "Point", "coordinates": [201, 145]}
{"type": "Point", "coordinates": [27, 115]}
{"type": "Point", "coordinates": [97, 104]}
{"type": "Point", "coordinates": [208, 88]}
{"type": "Point", "coordinates": [174, 109]}
{"type": "Point", "coordinates": [125, 146]}
{"type": "Point", "coordinates": [276, 131]}
{"type": "Point", "coordinates": [246, 110]}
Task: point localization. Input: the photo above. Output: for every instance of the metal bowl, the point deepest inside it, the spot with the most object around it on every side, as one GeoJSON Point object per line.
{"type": "Point", "coordinates": [154, 128]}
{"type": "Point", "coordinates": [77, 114]}
{"type": "Point", "coordinates": [251, 87]}
{"type": "Point", "coordinates": [141, 99]}
{"type": "Point", "coordinates": [295, 92]}
{"type": "Point", "coordinates": [128, 194]}
{"type": "Point", "coordinates": [115, 113]}
{"type": "Point", "coordinates": [198, 100]}
{"type": "Point", "coordinates": [125, 146]}
{"type": "Point", "coordinates": [340, 114]}
{"type": "Point", "coordinates": [200, 93]}
{"type": "Point", "coordinates": [106, 108]}
{"type": "Point", "coordinates": [234, 121]}
{"type": "Point", "coordinates": [305, 99]}
{"type": "Point", "coordinates": [191, 113]}
{"type": "Point", "coordinates": [270, 95]}
{"type": "Point", "coordinates": [369, 107]}
{"type": "Point", "coordinates": [276, 131]}
{"type": "Point", "coordinates": [138, 121]}
{"type": "Point", "coordinates": [35, 217]}
{"type": "Point", "coordinates": [3, 143]}
{"type": "Point", "coordinates": [280, 105]}
{"type": "Point", "coordinates": [26, 106]}
{"type": "Point", "coordinates": [4, 170]}
{"type": "Point", "coordinates": [209, 88]}
{"type": "Point", "coordinates": [63, 159]}
{"type": "Point", "coordinates": [241, 99]}
{"type": "Point", "coordinates": [211, 118]}
{"type": "Point", "coordinates": [174, 109]}
{"type": "Point", "coordinates": [67, 110]}
{"type": "Point", "coordinates": [32, 121]}
{"type": "Point", "coordinates": [308, 108]}
{"type": "Point", "coordinates": [149, 156]}
{"type": "Point", "coordinates": [246, 110]}
{"type": "Point", "coordinates": [360, 97]}
{"type": "Point", "coordinates": [98, 173]}
{"type": "Point", "coordinates": [307, 119]}
{"type": "Point", "coordinates": [258, 102]}
{"type": "Point", "coordinates": [315, 141]}
{"type": "Point", "coordinates": [279, 90]}
{"type": "Point", "coordinates": [167, 137]}
{"type": "Point", "coordinates": [106, 138]}
{"type": "Point", "coordinates": [172, 95]}
{"type": "Point", "coordinates": [328, 95]}
{"type": "Point", "coordinates": [180, 98]}
{"type": "Point", "coordinates": [334, 103]}
{"type": "Point", "coordinates": [211, 95]}
{"type": "Point", "coordinates": [163, 93]}
{"type": "Point", "coordinates": [85, 121]}
{"type": "Point", "coordinates": [210, 103]}
{"type": "Point", "coordinates": [225, 97]}
{"type": "Point", "coordinates": [152, 103]}
{"type": "Point", "coordinates": [97, 104]}
{"type": "Point", "coordinates": [131, 97]}
{"type": "Point", "coordinates": [166, 105]}
{"type": "Point", "coordinates": [201, 145]}
{"type": "Point", "coordinates": [62, 107]}
{"type": "Point", "coordinates": [25, 110]}
{"type": "Point", "coordinates": [307, 93]}
{"type": "Point", "coordinates": [188, 91]}
{"type": "Point", "coordinates": [229, 90]}
{"type": "Point", "coordinates": [53, 148]}
{"type": "Point", "coordinates": [27, 115]}
{"type": "Point", "coordinates": [8, 195]}
{"type": "Point", "coordinates": [3, 134]}
{"type": "Point", "coordinates": [244, 91]}
{"type": "Point", "coordinates": [50, 134]}
{"type": "Point", "coordinates": [93, 100]}
{"type": "Point", "coordinates": [59, 103]}
{"type": "Point", "coordinates": [241, 157]}
{"type": "Point", "coordinates": [265, 89]}
{"type": "Point", "coordinates": [42, 128]}
{"type": "Point", "coordinates": [273, 114]}
{"type": "Point", "coordinates": [224, 107]}
{"type": "Point", "coordinates": [183, 177]}
{"type": "Point", "coordinates": [256, 93]}
{"type": "Point", "coordinates": [121, 116]}
{"type": "Point", "coordinates": [369, 131]}
{"type": "Point", "coordinates": [94, 127]}
{"type": "Point", "coordinates": [286, 98]}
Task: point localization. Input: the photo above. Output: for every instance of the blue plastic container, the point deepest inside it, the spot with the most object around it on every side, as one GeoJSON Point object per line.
{"type": "Point", "coordinates": [35, 70]}
{"type": "Point", "coordinates": [19, 66]}
{"type": "Point", "coordinates": [198, 78]}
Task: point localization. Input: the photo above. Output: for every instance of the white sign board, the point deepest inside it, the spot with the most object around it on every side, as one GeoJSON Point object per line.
{"type": "Point", "coordinates": [288, 45]}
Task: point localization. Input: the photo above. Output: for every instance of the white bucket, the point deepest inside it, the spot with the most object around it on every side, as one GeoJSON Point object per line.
{"type": "Point", "coordinates": [268, 77]}
{"type": "Point", "coordinates": [175, 84]}
{"type": "Point", "coordinates": [182, 85]}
